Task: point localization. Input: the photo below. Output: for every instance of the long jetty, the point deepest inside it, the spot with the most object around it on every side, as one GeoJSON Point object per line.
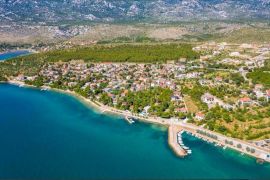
{"type": "Point", "coordinates": [172, 139]}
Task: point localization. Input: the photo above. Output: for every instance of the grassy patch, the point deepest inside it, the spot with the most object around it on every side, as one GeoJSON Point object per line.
{"type": "Point", "coordinates": [191, 106]}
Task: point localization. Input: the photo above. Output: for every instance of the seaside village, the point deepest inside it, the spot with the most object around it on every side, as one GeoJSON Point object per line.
{"type": "Point", "coordinates": [216, 91]}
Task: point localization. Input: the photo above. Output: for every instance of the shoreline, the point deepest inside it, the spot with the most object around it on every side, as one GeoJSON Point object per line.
{"type": "Point", "coordinates": [15, 50]}
{"type": "Point", "coordinates": [151, 120]}
{"type": "Point", "coordinates": [25, 53]}
{"type": "Point", "coordinates": [98, 106]}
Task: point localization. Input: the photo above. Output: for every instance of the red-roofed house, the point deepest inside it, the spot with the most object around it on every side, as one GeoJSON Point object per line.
{"type": "Point", "coordinates": [245, 100]}
{"type": "Point", "coordinates": [218, 79]}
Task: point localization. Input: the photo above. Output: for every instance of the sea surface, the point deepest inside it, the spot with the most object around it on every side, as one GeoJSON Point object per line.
{"type": "Point", "coordinates": [13, 54]}
{"type": "Point", "coordinates": [49, 135]}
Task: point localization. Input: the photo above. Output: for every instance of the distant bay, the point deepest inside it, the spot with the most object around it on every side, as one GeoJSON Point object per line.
{"type": "Point", "coordinates": [13, 54]}
{"type": "Point", "coordinates": [49, 135]}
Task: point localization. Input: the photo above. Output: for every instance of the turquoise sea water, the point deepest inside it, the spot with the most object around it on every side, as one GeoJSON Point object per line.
{"type": "Point", "coordinates": [48, 135]}
{"type": "Point", "coordinates": [13, 54]}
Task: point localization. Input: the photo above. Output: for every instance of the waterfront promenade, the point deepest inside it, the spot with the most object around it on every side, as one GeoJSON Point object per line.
{"type": "Point", "coordinates": [210, 136]}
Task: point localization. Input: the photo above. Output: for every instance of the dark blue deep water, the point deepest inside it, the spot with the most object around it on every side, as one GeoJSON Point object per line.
{"type": "Point", "coordinates": [48, 135]}
{"type": "Point", "coordinates": [13, 54]}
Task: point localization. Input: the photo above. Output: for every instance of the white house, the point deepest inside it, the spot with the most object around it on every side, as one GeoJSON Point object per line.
{"type": "Point", "coordinates": [200, 116]}
{"type": "Point", "coordinates": [258, 90]}
{"type": "Point", "coordinates": [208, 98]}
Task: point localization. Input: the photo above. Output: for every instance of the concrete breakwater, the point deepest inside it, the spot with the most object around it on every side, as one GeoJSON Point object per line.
{"type": "Point", "coordinates": [172, 140]}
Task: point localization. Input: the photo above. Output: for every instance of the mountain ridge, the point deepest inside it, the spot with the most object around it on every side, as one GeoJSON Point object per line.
{"type": "Point", "coordinates": [57, 11]}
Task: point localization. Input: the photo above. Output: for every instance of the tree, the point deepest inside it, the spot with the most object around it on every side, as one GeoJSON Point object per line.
{"type": "Point", "coordinates": [105, 99]}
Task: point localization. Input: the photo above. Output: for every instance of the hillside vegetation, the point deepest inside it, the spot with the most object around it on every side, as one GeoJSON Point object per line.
{"type": "Point", "coordinates": [123, 53]}
{"type": "Point", "coordinates": [261, 75]}
{"type": "Point", "coordinates": [247, 35]}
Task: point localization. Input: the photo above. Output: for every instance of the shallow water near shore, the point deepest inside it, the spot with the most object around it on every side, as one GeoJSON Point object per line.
{"type": "Point", "coordinates": [13, 54]}
{"type": "Point", "coordinates": [49, 135]}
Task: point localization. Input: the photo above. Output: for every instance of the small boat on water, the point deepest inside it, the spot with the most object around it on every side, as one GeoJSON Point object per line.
{"type": "Point", "coordinates": [21, 85]}
{"type": "Point", "coordinates": [185, 148]}
{"type": "Point", "coordinates": [44, 89]}
{"type": "Point", "coordinates": [189, 151]}
{"type": "Point", "coordinates": [129, 119]}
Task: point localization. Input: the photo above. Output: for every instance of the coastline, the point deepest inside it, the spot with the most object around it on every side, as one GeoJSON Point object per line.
{"type": "Point", "coordinates": [15, 50]}
{"type": "Point", "coordinates": [110, 110]}
{"type": "Point", "coordinates": [98, 106]}
{"type": "Point", "coordinates": [24, 52]}
{"type": "Point", "coordinates": [151, 120]}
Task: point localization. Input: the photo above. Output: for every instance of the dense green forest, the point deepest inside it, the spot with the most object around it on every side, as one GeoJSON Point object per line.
{"type": "Point", "coordinates": [158, 99]}
{"type": "Point", "coordinates": [2, 78]}
{"type": "Point", "coordinates": [122, 53]}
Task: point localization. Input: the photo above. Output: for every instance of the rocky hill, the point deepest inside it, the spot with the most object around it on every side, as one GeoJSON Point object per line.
{"type": "Point", "coordinates": [61, 11]}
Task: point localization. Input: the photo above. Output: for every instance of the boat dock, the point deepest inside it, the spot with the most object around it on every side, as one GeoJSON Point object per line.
{"type": "Point", "coordinates": [174, 141]}
{"type": "Point", "coordinates": [227, 142]}
{"type": "Point", "coordinates": [129, 120]}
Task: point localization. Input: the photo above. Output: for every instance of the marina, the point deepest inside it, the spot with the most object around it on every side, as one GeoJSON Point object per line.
{"type": "Point", "coordinates": [180, 142]}
{"type": "Point", "coordinates": [85, 141]}
{"type": "Point", "coordinates": [212, 138]}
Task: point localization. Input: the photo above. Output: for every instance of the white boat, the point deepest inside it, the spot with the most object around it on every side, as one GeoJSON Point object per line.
{"type": "Point", "coordinates": [189, 151]}
{"type": "Point", "coordinates": [129, 120]}
{"type": "Point", "coordinates": [186, 148]}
